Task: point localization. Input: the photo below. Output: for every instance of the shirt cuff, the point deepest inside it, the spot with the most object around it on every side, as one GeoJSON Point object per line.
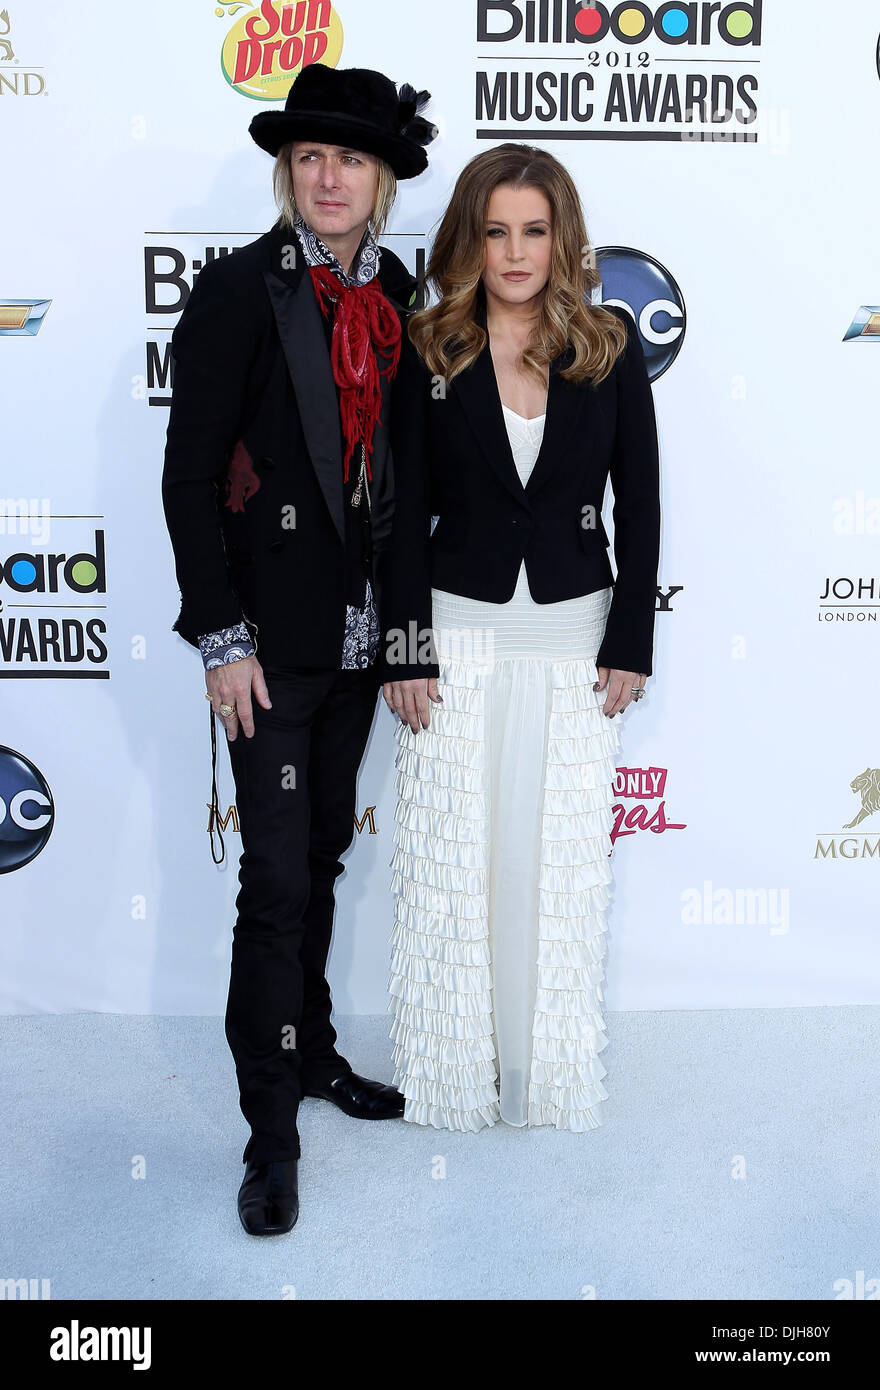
{"type": "Point", "coordinates": [226, 645]}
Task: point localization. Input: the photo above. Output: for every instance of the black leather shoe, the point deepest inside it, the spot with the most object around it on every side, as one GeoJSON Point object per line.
{"type": "Point", "coordinates": [268, 1199]}
{"type": "Point", "coordinates": [362, 1099]}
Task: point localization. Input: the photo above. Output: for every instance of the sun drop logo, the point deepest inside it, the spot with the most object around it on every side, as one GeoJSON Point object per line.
{"type": "Point", "coordinates": [266, 48]}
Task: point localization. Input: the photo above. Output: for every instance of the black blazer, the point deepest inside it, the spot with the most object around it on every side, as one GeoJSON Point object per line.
{"type": "Point", "coordinates": [455, 463]}
{"type": "Point", "coordinates": [254, 403]}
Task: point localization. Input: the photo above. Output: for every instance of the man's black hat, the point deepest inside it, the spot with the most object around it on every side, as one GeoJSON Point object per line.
{"type": "Point", "coordinates": [356, 107]}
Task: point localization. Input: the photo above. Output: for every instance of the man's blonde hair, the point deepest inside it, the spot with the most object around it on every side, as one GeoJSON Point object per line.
{"type": "Point", "coordinates": [282, 182]}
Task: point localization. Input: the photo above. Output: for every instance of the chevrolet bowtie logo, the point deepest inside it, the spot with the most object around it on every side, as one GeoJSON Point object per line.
{"type": "Point", "coordinates": [865, 325]}
{"type": "Point", "coordinates": [20, 318]}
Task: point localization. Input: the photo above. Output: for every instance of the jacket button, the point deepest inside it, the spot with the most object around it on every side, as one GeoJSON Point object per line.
{"type": "Point", "coordinates": [267, 462]}
{"type": "Point", "coordinates": [277, 545]}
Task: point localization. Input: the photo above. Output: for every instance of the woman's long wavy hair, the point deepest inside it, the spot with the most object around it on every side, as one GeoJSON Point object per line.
{"type": "Point", "coordinates": [282, 183]}
{"type": "Point", "coordinates": [447, 336]}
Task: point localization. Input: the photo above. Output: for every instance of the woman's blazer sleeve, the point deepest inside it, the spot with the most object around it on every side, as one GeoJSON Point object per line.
{"type": "Point", "coordinates": [407, 645]}
{"type": "Point", "coordinates": [212, 348]}
{"type": "Point", "coordinates": [635, 479]}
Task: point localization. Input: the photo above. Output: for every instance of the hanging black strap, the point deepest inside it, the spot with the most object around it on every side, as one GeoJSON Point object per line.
{"type": "Point", "coordinates": [214, 813]}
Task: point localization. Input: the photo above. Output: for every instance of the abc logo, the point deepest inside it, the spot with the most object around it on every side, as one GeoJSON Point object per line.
{"type": "Point", "coordinates": [27, 812]}
{"type": "Point", "coordinates": [646, 289]}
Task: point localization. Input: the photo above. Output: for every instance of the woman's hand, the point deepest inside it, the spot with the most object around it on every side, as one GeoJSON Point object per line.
{"type": "Point", "coordinates": [620, 684]}
{"type": "Point", "coordinates": [232, 685]}
{"type": "Point", "coordinates": [409, 700]}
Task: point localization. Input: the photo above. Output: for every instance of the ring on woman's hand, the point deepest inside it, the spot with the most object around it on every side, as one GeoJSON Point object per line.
{"type": "Point", "coordinates": [226, 710]}
{"type": "Point", "coordinates": [638, 691]}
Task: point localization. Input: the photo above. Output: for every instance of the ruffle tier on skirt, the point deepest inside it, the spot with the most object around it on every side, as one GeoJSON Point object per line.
{"type": "Point", "coordinates": [501, 879]}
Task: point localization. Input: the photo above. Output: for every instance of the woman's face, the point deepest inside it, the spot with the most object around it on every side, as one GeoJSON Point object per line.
{"type": "Point", "coordinates": [518, 243]}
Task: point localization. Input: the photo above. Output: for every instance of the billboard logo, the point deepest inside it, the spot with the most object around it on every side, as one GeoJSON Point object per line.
{"type": "Point", "coordinates": [52, 645]}
{"type": "Point", "coordinates": [673, 72]}
{"type": "Point", "coordinates": [737, 24]}
{"type": "Point", "coordinates": [170, 271]}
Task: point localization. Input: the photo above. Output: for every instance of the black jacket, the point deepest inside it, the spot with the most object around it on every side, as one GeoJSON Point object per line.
{"type": "Point", "coordinates": [253, 480]}
{"type": "Point", "coordinates": [455, 463]}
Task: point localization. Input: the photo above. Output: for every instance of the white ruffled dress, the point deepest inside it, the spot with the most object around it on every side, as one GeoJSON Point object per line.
{"type": "Point", "coordinates": [501, 867]}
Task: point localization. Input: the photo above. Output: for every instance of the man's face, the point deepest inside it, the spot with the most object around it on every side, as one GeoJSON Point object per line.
{"type": "Point", "coordinates": [334, 186]}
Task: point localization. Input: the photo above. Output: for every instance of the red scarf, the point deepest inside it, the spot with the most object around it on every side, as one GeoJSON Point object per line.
{"type": "Point", "coordinates": [364, 320]}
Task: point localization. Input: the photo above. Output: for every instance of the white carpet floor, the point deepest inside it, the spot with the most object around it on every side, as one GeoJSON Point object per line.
{"type": "Point", "coordinates": [739, 1158]}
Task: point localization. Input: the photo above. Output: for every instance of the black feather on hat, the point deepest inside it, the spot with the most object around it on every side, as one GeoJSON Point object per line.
{"type": "Point", "coordinates": [357, 107]}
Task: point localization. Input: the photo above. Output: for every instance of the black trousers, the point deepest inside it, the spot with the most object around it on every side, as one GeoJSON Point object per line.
{"type": "Point", "coordinates": [295, 784]}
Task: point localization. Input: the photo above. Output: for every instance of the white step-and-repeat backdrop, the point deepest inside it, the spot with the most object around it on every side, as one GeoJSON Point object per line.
{"type": "Point", "coordinates": [726, 157]}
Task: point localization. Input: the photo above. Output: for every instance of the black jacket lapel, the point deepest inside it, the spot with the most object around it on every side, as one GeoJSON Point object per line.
{"type": "Point", "coordinates": [298, 317]}
{"type": "Point", "coordinates": [566, 411]}
{"type": "Point", "coordinates": [477, 390]}
{"type": "Point", "coordinates": [397, 286]}
{"type": "Point", "coordinates": [305, 348]}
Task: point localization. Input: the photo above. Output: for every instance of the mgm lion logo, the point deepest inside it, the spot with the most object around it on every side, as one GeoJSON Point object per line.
{"type": "Point", "coordinates": [868, 784]}
{"type": "Point", "coordinates": [5, 45]}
